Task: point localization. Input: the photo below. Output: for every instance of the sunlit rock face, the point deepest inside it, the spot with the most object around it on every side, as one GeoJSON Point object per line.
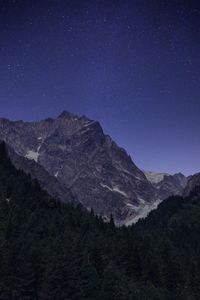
{"type": "Point", "coordinates": [76, 152]}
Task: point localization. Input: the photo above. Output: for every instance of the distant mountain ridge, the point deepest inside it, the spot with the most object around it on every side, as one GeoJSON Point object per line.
{"type": "Point", "coordinates": [193, 181]}
{"type": "Point", "coordinates": [167, 185]}
{"type": "Point", "coordinates": [154, 177]}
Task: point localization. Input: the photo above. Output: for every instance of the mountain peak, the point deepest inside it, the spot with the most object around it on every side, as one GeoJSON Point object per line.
{"type": "Point", "coordinates": [179, 174]}
{"type": "Point", "coordinates": [66, 114]}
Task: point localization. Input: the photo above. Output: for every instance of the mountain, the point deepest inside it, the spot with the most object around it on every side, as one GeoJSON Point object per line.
{"type": "Point", "coordinates": [75, 151]}
{"type": "Point", "coordinates": [166, 184]}
{"type": "Point", "coordinates": [154, 177]}
{"type": "Point", "coordinates": [49, 250]}
{"type": "Point", "coordinates": [193, 181]}
{"type": "Point", "coordinates": [73, 159]}
{"type": "Point", "coordinates": [47, 182]}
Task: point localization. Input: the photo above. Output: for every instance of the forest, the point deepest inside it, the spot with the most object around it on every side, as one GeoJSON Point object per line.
{"type": "Point", "coordinates": [55, 251]}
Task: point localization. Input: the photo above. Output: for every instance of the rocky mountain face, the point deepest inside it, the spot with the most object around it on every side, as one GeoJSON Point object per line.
{"type": "Point", "coordinates": [73, 153]}
{"type": "Point", "coordinates": [75, 161]}
{"type": "Point", "coordinates": [49, 183]}
{"type": "Point", "coordinates": [166, 184]}
{"type": "Point", "coordinates": [193, 181]}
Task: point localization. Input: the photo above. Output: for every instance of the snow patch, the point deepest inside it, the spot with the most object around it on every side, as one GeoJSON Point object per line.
{"type": "Point", "coordinates": [120, 168]}
{"type": "Point", "coordinates": [88, 123]}
{"type": "Point", "coordinates": [38, 148]}
{"type": "Point", "coordinates": [155, 177]}
{"type": "Point", "coordinates": [32, 155]}
{"type": "Point", "coordinates": [56, 174]}
{"type": "Point", "coordinates": [114, 189]}
{"type": "Point", "coordinates": [131, 205]}
{"type": "Point", "coordinates": [142, 211]}
{"type": "Point", "coordinates": [106, 186]}
{"type": "Point", "coordinates": [141, 200]}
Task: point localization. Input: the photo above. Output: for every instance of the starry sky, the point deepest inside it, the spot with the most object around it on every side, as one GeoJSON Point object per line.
{"type": "Point", "coordinates": [132, 65]}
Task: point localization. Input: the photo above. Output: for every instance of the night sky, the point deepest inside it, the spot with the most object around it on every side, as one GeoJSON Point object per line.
{"type": "Point", "coordinates": [132, 65]}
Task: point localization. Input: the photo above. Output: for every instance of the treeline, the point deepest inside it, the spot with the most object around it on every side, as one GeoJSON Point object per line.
{"type": "Point", "coordinates": [49, 250]}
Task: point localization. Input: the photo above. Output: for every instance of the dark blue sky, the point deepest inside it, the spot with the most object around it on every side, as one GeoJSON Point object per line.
{"type": "Point", "coordinates": [132, 65]}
